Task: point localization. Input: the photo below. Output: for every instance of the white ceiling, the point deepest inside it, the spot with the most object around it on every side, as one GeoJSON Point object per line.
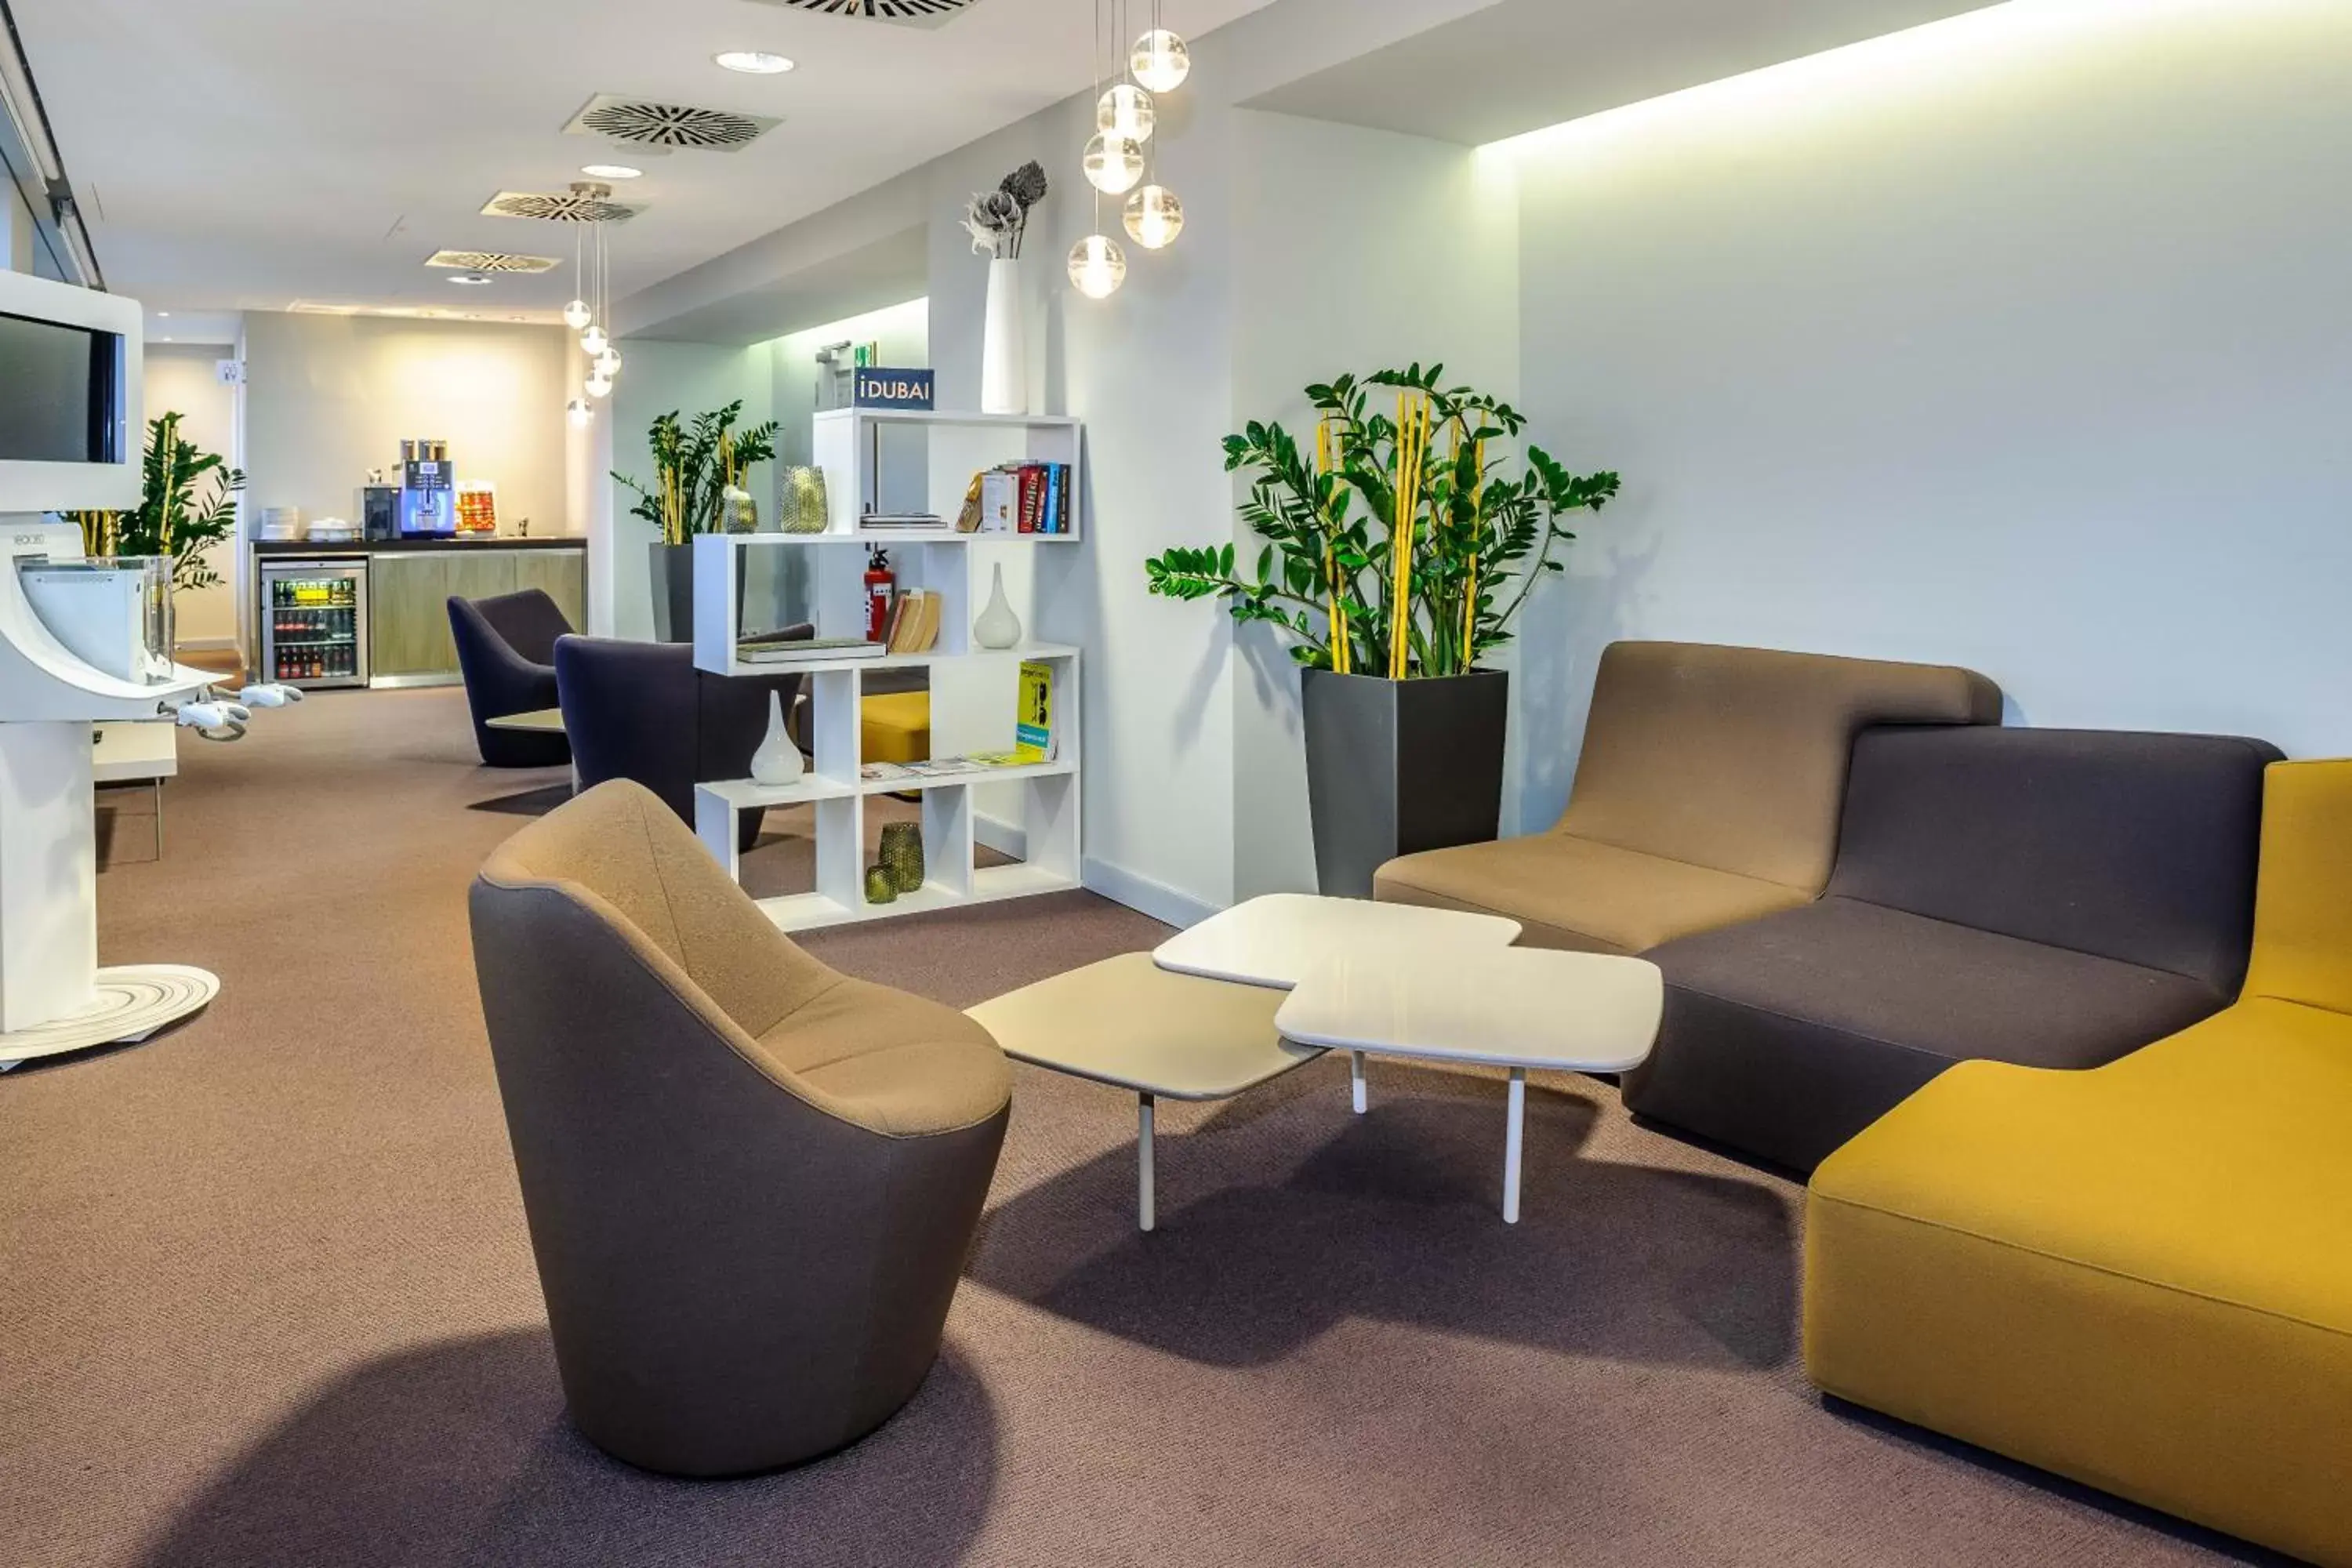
{"type": "Point", "coordinates": [245, 154]}
{"type": "Point", "coordinates": [1523, 65]}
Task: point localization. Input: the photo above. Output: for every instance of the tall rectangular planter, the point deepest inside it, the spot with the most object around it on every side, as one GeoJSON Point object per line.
{"type": "Point", "coordinates": [670, 573]}
{"type": "Point", "coordinates": [1395, 767]}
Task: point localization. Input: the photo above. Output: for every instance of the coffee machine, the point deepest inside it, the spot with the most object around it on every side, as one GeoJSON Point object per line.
{"type": "Point", "coordinates": [428, 491]}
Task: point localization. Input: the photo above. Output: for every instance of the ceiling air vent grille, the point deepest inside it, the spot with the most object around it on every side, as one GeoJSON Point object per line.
{"type": "Point", "coordinates": [490, 261]}
{"type": "Point", "coordinates": [630, 122]}
{"type": "Point", "coordinates": [568, 207]}
{"type": "Point", "coordinates": [906, 13]}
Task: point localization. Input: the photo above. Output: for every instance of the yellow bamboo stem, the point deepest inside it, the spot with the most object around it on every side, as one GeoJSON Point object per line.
{"type": "Point", "coordinates": [1413, 442]}
{"type": "Point", "coordinates": [1477, 538]}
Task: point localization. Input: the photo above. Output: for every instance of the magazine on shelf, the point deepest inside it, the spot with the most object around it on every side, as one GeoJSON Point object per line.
{"type": "Point", "coordinates": [807, 650]}
{"type": "Point", "coordinates": [1034, 737]}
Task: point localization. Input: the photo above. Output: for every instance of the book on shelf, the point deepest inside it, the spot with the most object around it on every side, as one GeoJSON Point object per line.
{"type": "Point", "coordinates": [1020, 498]}
{"type": "Point", "coordinates": [806, 650]}
{"type": "Point", "coordinates": [915, 620]}
{"type": "Point", "coordinates": [902, 523]}
{"type": "Point", "coordinates": [1034, 737]}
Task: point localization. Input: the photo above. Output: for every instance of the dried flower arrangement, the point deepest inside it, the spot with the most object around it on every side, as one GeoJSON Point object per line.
{"type": "Point", "coordinates": [997, 219]}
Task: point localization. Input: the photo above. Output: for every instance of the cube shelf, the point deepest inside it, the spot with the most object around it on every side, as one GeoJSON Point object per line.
{"type": "Point", "coordinates": [1031, 811]}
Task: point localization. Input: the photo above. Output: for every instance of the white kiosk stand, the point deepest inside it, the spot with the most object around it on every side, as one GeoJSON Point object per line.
{"type": "Point", "coordinates": [69, 390]}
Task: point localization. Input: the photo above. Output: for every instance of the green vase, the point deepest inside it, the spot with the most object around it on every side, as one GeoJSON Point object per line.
{"type": "Point", "coordinates": [902, 854]}
{"type": "Point", "coordinates": [879, 887]}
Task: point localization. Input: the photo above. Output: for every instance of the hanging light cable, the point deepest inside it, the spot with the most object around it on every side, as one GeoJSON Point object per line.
{"type": "Point", "coordinates": [1096, 266]}
{"type": "Point", "coordinates": [577, 315]}
{"type": "Point", "coordinates": [1153, 216]}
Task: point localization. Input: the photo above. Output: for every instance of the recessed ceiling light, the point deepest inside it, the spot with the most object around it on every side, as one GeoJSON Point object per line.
{"type": "Point", "coordinates": [165, 339]}
{"type": "Point", "coordinates": [753, 62]}
{"type": "Point", "coordinates": [610, 171]}
{"type": "Point", "coordinates": [470, 280]}
{"type": "Point", "coordinates": [162, 315]}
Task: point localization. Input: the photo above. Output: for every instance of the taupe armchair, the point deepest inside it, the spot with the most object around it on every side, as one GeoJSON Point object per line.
{"type": "Point", "coordinates": [752, 1182]}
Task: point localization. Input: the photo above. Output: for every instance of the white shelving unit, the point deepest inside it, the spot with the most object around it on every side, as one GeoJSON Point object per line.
{"type": "Point", "coordinates": [973, 690]}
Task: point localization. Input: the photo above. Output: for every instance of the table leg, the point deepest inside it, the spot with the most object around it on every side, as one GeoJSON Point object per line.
{"type": "Point", "coordinates": [1147, 1215]}
{"type": "Point", "coordinates": [1356, 1081]}
{"type": "Point", "coordinates": [1514, 1135]}
{"type": "Point", "coordinates": [159, 819]}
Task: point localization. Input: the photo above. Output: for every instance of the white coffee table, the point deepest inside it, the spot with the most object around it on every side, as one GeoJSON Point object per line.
{"type": "Point", "coordinates": [1506, 1008]}
{"type": "Point", "coordinates": [1158, 1034]}
{"type": "Point", "coordinates": [1276, 939]}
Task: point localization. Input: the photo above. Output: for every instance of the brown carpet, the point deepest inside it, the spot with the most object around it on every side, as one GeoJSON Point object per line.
{"type": "Point", "coordinates": [267, 1296]}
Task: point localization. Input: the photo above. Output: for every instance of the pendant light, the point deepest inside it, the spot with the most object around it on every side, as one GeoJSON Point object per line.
{"type": "Point", "coordinates": [579, 413]}
{"type": "Point", "coordinates": [1098, 267]}
{"type": "Point", "coordinates": [1127, 110]}
{"type": "Point", "coordinates": [1154, 217]}
{"type": "Point", "coordinates": [1159, 62]}
{"type": "Point", "coordinates": [1113, 164]}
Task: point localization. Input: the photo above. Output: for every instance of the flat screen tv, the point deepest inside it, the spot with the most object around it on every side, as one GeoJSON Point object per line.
{"type": "Point", "coordinates": [70, 398]}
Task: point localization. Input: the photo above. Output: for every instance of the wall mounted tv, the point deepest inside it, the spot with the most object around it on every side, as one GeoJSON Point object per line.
{"type": "Point", "coordinates": [59, 387]}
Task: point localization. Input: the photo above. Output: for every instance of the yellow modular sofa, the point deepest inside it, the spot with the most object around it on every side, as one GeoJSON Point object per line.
{"type": "Point", "coordinates": [2139, 1276]}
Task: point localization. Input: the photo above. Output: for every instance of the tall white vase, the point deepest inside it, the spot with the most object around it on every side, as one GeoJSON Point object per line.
{"type": "Point", "coordinates": [997, 627]}
{"type": "Point", "coordinates": [1003, 353]}
{"type": "Point", "coordinates": [778, 762]}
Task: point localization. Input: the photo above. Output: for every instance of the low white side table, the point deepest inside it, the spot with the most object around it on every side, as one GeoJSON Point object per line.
{"type": "Point", "coordinates": [1508, 1007]}
{"type": "Point", "coordinates": [137, 752]}
{"type": "Point", "coordinates": [1276, 939]}
{"type": "Point", "coordinates": [1151, 1031]}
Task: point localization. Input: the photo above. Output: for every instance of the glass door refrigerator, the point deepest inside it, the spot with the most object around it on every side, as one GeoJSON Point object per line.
{"type": "Point", "coordinates": [314, 621]}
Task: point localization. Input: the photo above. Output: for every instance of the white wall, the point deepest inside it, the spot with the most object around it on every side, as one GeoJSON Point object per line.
{"type": "Point", "coordinates": [904, 333]}
{"type": "Point", "coordinates": [330, 398]}
{"type": "Point", "coordinates": [2023, 342]}
{"type": "Point", "coordinates": [658, 378]}
{"type": "Point", "coordinates": [181, 379]}
{"type": "Point", "coordinates": [1353, 250]}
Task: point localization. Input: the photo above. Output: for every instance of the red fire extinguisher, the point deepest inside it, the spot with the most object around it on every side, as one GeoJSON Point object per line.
{"type": "Point", "coordinates": [880, 586]}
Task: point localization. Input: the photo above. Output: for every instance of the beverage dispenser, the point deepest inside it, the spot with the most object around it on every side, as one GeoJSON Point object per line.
{"type": "Point", "coordinates": [428, 491]}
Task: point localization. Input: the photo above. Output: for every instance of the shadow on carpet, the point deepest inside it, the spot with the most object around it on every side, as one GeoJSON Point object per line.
{"type": "Point", "coordinates": [460, 1454]}
{"type": "Point", "coordinates": [1278, 1221]}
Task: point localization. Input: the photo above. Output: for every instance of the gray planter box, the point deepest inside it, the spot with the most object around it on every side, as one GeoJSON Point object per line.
{"type": "Point", "coordinates": [1394, 767]}
{"type": "Point", "coordinates": [671, 574]}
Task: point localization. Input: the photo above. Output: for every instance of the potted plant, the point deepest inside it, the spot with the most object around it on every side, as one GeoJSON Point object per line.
{"type": "Point", "coordinates": [188, 504]}
{"type": "Point", "coordinates": [697, 466]}
{"type": "Point", "coordinates": [1395, 561]}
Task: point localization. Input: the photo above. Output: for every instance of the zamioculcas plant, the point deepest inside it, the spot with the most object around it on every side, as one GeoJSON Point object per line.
{"type": "Point", "coordinates": [188, 504]}
{"type": "Point", "coordinates": [694, 465]}
{"type": "Point", "coordinates": [1407, 546]}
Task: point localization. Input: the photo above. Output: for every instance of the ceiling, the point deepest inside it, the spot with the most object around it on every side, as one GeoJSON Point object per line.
{"type": "Point", "coordinates": [1524, 65]}
{"type": "Point", "coordinates": [246, 154]}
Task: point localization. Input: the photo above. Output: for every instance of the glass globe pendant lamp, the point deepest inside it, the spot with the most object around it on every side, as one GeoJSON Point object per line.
{"type": "Point", "coordinates": [1113, 164]}
{"type": "Point", "coordinates": [1127, 110]}
{"type": "Point", "coordinates": [1098, 267]}
{"type": "Point", "coordinates": [579, 413]}
{"type": "Point", "coordinates": [608, 364]}
{"type": "Point", "coordinates": [600, 386]}
{"type": "Point", "coordinates": [576, 315]}
{"type": "Point", "coordinates": [593, 341]}
{"type": "Point", "coordinates": [1160, 61]}
{"type": "Point", "coordinates": [1154, 217]}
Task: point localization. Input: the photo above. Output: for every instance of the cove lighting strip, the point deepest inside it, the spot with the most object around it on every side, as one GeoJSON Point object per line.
{"type": "Point", "coordinates": [2012, 33]}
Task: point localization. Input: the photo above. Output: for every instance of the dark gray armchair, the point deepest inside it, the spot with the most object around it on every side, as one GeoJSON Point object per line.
{"type": "Point", "coordinates": [506, 651]}
{"type": "Point", "coordinates": [640, 711]}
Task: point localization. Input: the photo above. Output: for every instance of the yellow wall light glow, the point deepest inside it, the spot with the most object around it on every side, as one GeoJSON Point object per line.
{"type": "Point", "coordinates": [2015, 33]}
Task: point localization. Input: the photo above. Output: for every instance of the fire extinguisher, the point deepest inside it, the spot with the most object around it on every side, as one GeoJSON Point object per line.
{"type": "Point", "coordinates": [880, 586]}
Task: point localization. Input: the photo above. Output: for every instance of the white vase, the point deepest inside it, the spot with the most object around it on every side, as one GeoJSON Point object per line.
{"type": "Point", "coordinates": [997, 627]}
{"type": "Point", "coordinates": [777, 762]}
{"type": "Point", "coordinates": [1004, 353]}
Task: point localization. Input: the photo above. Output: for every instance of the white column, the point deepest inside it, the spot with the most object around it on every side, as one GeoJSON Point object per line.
{"type": "Point", "coordinates": [48, 874]}
{"type": "Point", "coordinates": [1147, 1206]}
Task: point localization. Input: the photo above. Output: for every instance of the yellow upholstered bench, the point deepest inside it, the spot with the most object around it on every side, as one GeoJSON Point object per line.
{"type": "Point", "coordinates": [894, 727]}
{"type": "Point", "coordinates": [2139, 1276]}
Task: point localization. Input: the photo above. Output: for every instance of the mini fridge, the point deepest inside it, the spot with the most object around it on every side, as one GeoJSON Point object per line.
{"type": "Point", "coordinates": [314, 623]}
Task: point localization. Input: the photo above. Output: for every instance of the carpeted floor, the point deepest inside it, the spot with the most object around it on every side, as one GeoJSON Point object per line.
{"type": "Point", "coordinates": [267, 1298]}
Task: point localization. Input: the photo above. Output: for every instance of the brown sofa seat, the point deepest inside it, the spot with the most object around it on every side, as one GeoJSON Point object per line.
{"type": "Point", "coordinates": [1708, 793]}
{"type": "Point", "coordinates": [752, 1182]}
{"type": "Point", "coordinates": [1560, 887]}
